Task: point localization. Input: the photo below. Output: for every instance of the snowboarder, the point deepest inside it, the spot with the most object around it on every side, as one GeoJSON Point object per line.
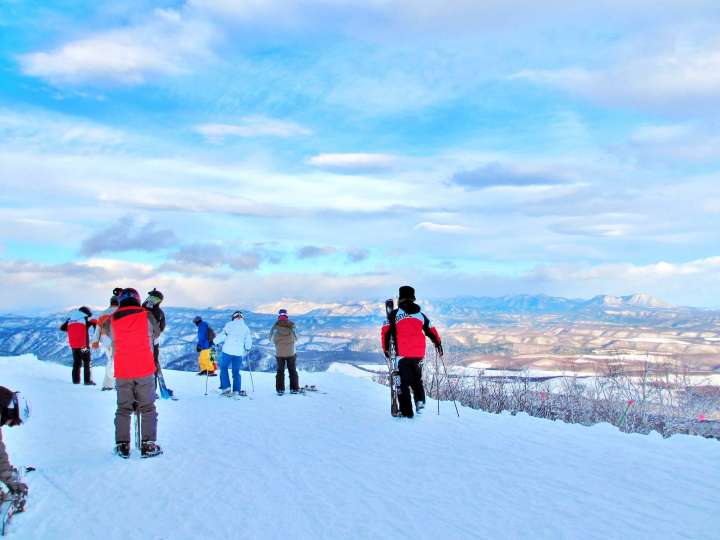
{"type": "Point", "coordinates": [78, 327]}
{"type": "Point", "coordinates": [103, 343]}
{"type": "Point", "coordinates": [407, 327]}
{"type": "Point", "coordinates": [133, 331]}
{"type": "Point", "coordinates": [237, 342]}
{"type": "Point", "coordinates": [152, 304]}
{"type": "Point", "coordinates": [14, 411]}
{"type": "Point", "coordinates": [284, 336]}
{"type": "Point", "coordinates": [205, 341]}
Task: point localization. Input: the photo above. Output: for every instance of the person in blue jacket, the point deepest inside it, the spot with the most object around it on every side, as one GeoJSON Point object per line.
{"type": "Point", "coordinates": [205, 338]}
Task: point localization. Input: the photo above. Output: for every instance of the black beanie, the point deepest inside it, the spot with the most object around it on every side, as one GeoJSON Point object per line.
{"type": "Point", "coordinates": [406, 293]}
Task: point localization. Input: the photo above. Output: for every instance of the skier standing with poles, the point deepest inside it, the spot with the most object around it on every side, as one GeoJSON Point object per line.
{"type": "Point", "coordinates": [237, 342]}
{"type": "Point", "coordinates": [133, 330]}
{"type": "Point", "coordinates": [406, 329]}
{"type": "Point", "coordinates": [205, 340]}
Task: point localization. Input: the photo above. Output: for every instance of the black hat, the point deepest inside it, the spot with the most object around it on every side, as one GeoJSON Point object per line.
{"type": "Point", "coordinates": [86, 311]}
{"type": "Point", "coordinates": [197, 319]}
{"type": "Point", "coordinates": [237, 315]}
{"type": "Point", "coordinates": [406, 293]}
{"type": "Point", "coordinates": [156, 294]}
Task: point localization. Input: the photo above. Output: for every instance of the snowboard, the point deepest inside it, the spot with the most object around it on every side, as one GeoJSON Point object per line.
{"type": "Point", "coordinates": [12, 504]}
{"type": "Point", "coordinates": [165, 392]}
{"type": "Point", "coordinates": [393, 373]}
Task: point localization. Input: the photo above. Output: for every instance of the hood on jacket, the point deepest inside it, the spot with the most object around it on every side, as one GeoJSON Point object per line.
{"type": "Point", "coordinates": [409, 307]}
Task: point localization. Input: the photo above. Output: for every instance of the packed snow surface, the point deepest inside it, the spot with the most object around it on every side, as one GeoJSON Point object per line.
{"type": "Point", "coordinates": [337, 466]}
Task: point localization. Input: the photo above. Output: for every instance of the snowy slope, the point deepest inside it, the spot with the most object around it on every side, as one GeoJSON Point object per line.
{"type": "Point", "coordinates": [338, 466]}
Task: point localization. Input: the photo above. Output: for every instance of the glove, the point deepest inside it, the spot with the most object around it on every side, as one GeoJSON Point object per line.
{"type": "Point", "coordinates": [198, 349]}
{"type": "Point", "coordinates": [96, 345]}
{"type": "Point", "coordinates": [85, 350]}
{"type": "Point", "coordinates": [439, 349]}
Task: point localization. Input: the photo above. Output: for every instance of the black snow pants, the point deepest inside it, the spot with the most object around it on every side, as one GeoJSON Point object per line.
{"type": "Point", "coordinates": [291, 362]}
{"type": "Point", "coordinates": [81, 358]}
{"type": "Point", "coordinates": [410, 377]}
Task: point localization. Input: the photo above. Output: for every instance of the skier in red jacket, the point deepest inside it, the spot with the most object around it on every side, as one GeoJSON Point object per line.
{"type": "Point", "coordinates": [133, 330]}
{"type": "Point", "coordinates": [407, 327]}
{"type": "Point", "coordinates": [77, 327]}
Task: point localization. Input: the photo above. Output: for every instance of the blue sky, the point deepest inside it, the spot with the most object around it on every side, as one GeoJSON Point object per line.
{"type": "Point", "coordinates": [245, 151]}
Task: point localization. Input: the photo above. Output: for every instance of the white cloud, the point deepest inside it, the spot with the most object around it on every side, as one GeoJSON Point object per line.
{"type": "Point", "coordinates": [164, 44]}
{"type": "Point", "coordinates": [676, 73]}
{"type": "Point", "coordinates": [441, 228]}
{"type": "Point", "coordinates": [42, 128]}
{"type": "Point", "coordinates": [353, 162]}
{"type": "Point", "coordinates": [252, 126]}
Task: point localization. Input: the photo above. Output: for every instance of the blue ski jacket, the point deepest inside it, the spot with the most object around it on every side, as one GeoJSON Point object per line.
{"type": "Point", "coordinates": [202, 335]}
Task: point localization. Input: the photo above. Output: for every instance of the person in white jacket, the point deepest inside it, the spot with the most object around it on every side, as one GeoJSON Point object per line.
{"type": "Point", "coordinates": [237, 342]}
{"type": "Point", "coordinates": [102, 344]}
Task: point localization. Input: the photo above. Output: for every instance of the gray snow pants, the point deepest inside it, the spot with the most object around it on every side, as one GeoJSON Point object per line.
{"type": "Point", "coordinates": [135, 394]}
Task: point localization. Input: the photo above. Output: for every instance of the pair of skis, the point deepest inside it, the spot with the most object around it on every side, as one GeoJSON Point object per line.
{"type": "Point", "coordinates": [391, 358]}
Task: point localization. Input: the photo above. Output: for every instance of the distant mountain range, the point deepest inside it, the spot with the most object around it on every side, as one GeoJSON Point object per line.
{"type": "Point", "coordinates": [348, 332]}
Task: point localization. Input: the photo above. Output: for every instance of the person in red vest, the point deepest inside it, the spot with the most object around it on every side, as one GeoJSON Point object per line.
{"type": "Point", "coordinates": [77, 327]}
{"type": "Point", "coordinates": [133, 330]}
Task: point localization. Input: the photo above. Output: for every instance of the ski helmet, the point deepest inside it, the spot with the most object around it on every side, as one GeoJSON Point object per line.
{"type": "Point", "coordinates": [86, 311]}
{"type": "Point", "coordinates": [237, 315]}
{"type": "Point", "coordinates": [197, 319]}
{"type": "Point", "coordinates": [129, 294]}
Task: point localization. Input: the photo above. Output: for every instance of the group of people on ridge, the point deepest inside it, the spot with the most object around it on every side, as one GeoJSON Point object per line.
{"type": "Point", "coordinates": [128, 333]}
{"type": "Point", "coordinates": [236, 340]}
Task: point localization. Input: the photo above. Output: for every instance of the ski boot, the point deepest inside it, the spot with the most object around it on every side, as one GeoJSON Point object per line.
{"type": "Point", "coordinates": [150, 449]}
{"type": "Point", "coordinates": [225, 392]}
{"type": "Point", "coordinates": [419, 406]}
{"type": "Point", "coordinates": [122, 449]}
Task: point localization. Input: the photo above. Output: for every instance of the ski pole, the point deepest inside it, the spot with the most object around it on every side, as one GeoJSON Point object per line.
{"type": "Point", "coordinates": [448, 379]}
{"type": "Point", "coordinates": [437, 382]}
{"type": "Point", "coordinates": [250, 371]}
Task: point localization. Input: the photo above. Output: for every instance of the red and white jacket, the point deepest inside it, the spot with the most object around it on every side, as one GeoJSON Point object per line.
{"type": "Point", "coordinates": [133, 330]}
{"type": "Point", "coordinates": [407, 327]}
{"type": "Point", "coordinates": [77, 327]}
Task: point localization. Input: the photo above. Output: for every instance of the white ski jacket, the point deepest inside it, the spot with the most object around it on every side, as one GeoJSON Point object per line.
{"type": "Point", "coordinates": [236, 338]}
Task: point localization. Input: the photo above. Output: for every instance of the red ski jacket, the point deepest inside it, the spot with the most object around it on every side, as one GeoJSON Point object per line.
{"type": "Point", "coordinates": [408, 326]}
{"type": "Point", "coordinates": [77, 328]}
{"type": "Point", "coordinates": [133, 331]}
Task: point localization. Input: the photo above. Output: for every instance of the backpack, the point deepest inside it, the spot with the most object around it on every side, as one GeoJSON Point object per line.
{"type": "Point", "coordinates": [210, 335]}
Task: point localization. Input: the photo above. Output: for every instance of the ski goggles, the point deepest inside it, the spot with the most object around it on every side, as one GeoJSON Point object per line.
{"type": "Point", "coordinates": [17, 412]}
{"type": "Point", "coordinates": [153, 301]}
